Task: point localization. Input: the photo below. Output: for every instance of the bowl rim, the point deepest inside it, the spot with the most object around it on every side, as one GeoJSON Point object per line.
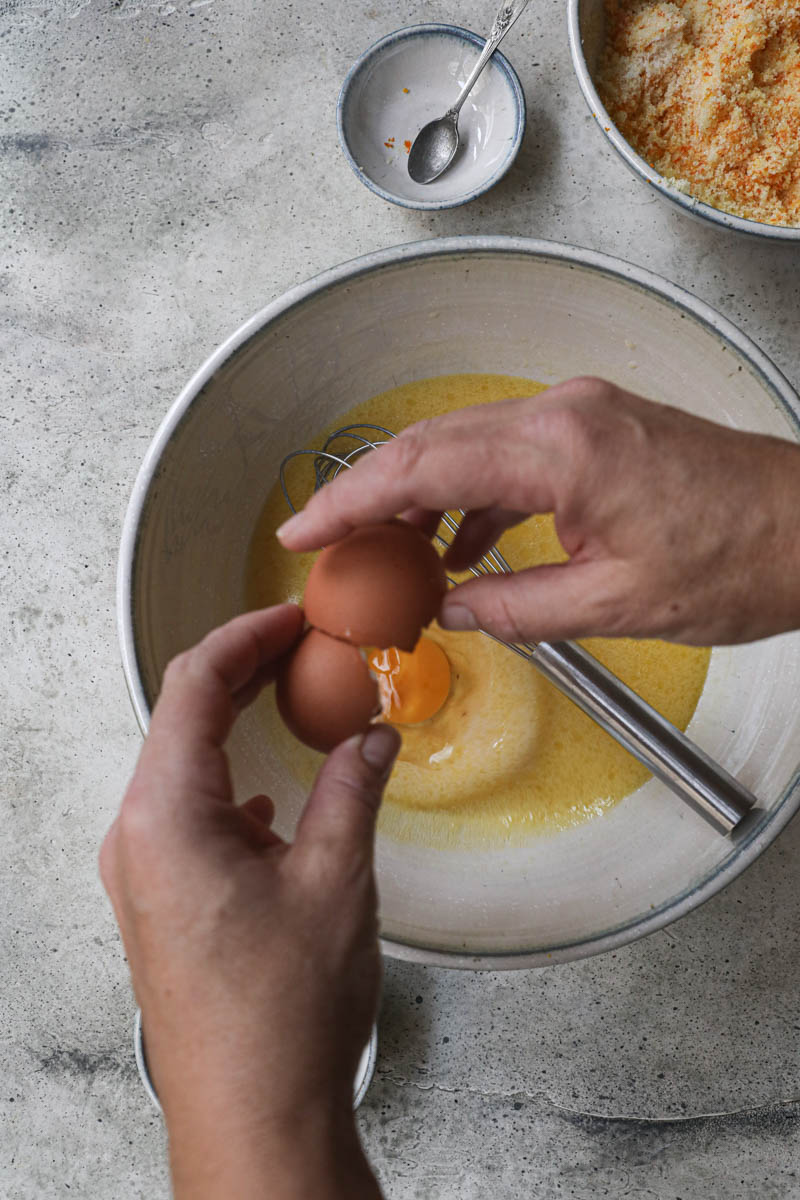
{"type": "Point", "coordinates": [404, 34]}
{"type": "Point", "coordinates": [641, 167]}
{"type": "Point", "coordinates": [756, 836]}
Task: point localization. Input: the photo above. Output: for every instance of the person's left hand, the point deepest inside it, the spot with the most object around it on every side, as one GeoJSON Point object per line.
{"type": "Point", "coordinates": [255, 963]}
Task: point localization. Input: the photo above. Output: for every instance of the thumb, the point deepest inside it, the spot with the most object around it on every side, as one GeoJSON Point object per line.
{"type": "Point", "coordinates": [542, 604]}
{"type": "Point", "coordinates": [337, 828]}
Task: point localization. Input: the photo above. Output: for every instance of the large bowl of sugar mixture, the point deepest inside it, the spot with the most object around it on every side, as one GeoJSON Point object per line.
{"type": "Point", "coordinates": [483, 305]}
{"type": "Point", "coordinates": [640, 82]}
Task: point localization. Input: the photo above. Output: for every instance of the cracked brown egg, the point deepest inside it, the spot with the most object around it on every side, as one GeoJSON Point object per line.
{"type": "Point", "coordinates": [325, 692]}
{"type": "Point", "coordinates": [375, 589]}
{"type": "Point", "coordinates": [379, 586]}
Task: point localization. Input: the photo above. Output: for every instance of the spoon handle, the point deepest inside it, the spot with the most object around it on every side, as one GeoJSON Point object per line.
{"type": "Point", "coordinates": [507, 14]}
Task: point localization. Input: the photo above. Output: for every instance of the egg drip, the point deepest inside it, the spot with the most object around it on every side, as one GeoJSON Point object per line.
{"type": "Point", "coordinates": [412, 686]}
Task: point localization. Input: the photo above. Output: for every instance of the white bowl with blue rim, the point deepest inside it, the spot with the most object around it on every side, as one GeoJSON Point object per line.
{"type": "Point", "coordinates": [411, 77]}
{"type": "Point", "coordinates": [537, 309]}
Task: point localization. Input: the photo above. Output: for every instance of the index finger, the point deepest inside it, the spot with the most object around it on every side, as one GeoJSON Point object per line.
{"type": "Point", "coordinates": [465, 459]}
{"type": "Point", "coordinates": [204, 688]}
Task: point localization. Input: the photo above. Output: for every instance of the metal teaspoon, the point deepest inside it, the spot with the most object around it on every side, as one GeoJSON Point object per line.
{"type": "Point", "coordinates": [436, 143]}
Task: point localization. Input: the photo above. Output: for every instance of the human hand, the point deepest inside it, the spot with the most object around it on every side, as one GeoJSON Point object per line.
{"type": "Point", "coordinates": [255, 963]}
{"type": "Point", "coordinates": [675, 527]}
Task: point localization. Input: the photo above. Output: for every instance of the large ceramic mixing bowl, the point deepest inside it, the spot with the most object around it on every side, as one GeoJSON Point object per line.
{"type": "Point", "coordinates": [586, 24]}
{"type": "Point", "coordinates": [467, 304]}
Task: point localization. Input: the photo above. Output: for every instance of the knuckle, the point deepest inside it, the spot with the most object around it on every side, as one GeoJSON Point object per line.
{"type": "Point", "coordinates": [589, 389]}
{"type": "Point", "coordinates": [201, 660]}
{"type": "Point", "coordinates": [625, 607]}
{"type": "Point", "coordinates": [502, 614]}
{"type": "Point", "coordinates": [359, 792]}
{"type": "Point", "coordinates": [567, 431]}
{"type": "Point", "coordinates": [323, 866]}
{"type": "Point", "coordinates": [207, 645]}
{"type": "Point", "coordinates": [617, 616]}
{"type": "Point", "coordinates": [418, 429]}
{"type": "Point", "coordinates": [518, 629]}
{"type": "Point", "coordinates": [177, 668]}
{"type": "Point", "coordinates": [134, 823]}
{"type": "Point", "coordinates": [409, 448]}
{"type": "Point", "coordinates": [106, 859]}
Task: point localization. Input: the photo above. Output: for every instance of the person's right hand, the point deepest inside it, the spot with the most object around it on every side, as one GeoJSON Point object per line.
{"type": "Point", "coordinates": [675, 527]}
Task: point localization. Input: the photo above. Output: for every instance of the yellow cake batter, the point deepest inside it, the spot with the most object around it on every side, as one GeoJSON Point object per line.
{"type": "Point", "coordinates": [507, 756]}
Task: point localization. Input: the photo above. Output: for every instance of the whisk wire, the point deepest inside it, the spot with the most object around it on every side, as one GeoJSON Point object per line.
{"type": "Point", "coordinates": [328, 464]}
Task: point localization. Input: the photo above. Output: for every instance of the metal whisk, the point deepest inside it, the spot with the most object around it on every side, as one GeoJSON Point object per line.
{"type": "Point", "coordinates": [686, 769]}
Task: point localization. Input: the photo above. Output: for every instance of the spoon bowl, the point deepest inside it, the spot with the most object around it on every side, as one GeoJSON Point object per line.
{"type": "Point", "coordinates": [434, 148]}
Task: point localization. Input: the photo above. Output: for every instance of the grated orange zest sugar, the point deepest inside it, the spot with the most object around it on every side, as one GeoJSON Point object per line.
{"type": "Point", "coordinates": [708, 92]}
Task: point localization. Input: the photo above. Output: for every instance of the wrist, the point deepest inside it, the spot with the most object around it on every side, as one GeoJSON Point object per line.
{"type": "Point", "coordinates": [786, 541]}
{"type": "Point", "coordinates": [314, 1154]}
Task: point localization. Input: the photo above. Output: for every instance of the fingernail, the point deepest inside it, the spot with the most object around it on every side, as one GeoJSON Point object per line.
{"type": "Point", "coordinates": [290, 526]}
{"type": "Point", "coordinates": [379, 747]}
{"type": "Point", "coordinates": [457, 616]}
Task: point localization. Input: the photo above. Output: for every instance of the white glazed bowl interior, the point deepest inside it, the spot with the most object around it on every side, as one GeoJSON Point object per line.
{"type": "Point", "coordinates": [587, 32]}
{"type": "Point", "coordinates": [457, 305]}
{"type": "Point", "coordinates": [408, 79]}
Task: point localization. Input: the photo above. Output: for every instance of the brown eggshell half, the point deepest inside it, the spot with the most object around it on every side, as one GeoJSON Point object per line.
{"type": "Point", "coordinates": [325, 692]}
{"type": "Point", "coordinates": [379, 586]}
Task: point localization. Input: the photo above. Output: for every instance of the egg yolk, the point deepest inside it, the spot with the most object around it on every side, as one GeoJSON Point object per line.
{"type": "Point", "coordinates": [412, 686]}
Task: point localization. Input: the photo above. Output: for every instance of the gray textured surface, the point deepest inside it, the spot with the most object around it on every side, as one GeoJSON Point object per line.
{"type": "Point", "coordinates": [150, 201]}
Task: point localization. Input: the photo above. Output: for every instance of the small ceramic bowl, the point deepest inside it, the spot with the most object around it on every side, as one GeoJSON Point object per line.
{"type": "Point", "coordinates": [586, 24]}
{"type": "Point", "coordinates": [366, 1066]}
{"type": "Point", "coordinates": [411, 77]}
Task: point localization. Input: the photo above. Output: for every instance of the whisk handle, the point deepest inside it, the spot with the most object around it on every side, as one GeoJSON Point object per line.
{"type": "Point", "coordinates": [663, 749]}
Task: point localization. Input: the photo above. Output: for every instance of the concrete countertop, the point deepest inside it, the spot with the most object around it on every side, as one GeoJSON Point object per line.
{"type": "Point", "coordinates": [152, 198]}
